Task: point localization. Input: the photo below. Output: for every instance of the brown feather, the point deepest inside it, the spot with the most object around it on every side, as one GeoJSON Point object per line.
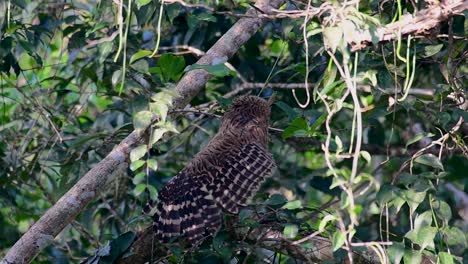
{"type": "Point", "coordinates": [221, 177]}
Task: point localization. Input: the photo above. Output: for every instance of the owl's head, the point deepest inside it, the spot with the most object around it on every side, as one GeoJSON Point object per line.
{"type": "Point", "coordinates": [248, 112]}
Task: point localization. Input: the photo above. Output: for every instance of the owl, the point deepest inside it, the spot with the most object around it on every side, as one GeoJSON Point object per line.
{"type": "Point", "coordinates": [221, 178]}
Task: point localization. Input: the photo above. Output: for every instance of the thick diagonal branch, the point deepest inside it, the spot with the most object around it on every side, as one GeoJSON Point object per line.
{"type": "Point", "coordinates": [42, 233]}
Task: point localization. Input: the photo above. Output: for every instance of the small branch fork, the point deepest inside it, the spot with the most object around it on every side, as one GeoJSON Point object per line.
{"type": "Point", "coordinates": [439, 142]}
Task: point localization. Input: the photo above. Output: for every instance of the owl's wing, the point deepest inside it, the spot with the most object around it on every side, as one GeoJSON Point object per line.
{"type": "Point", "coordinates": [240, 175]}
{"type": "Point", "coordinates": [191, 205]}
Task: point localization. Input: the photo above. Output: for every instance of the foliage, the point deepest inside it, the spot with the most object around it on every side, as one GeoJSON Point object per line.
{"type": "Point", "coordinates": [72, 86]}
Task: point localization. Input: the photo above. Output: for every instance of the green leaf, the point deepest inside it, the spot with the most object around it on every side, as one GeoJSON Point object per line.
{"type": "Point", "coordinates": [140, 54]}
{"type": "Point", "coordinates": [331, 86]}
{"type": "Point", "coordinates": [157, 135]}
{"type": "Point", "coordinates": [276, 199]}
{"type": "Point", "coordinates": [160, 109]}
{"type": "Point", "coordinates": [218, 70]}
{"type": "Point", "coordinates": [398, 202]}
{"type": "Point", "coordinates": [324, 222]}
{"type": "Point", "coordinates": [277, 47]}
{"type": "Point", "coordinates": [430, 160]}
{"type": "Point", "coordinates": [396, 252]}
{"type": "Point", "coordinates": [194, 19]}
{"type": "Point", "coordinates": [339, 145]}
{"type": "Point", "coordinates": [290, 231]}
{"type": "Point", "coordinates": [171, 66]}
{"type": "Point", "coordinates": [423, 237]}
{"type": "Point", "coordinates": [339, 239]}
{"type": "Point", "coordinates": [366, 156]}
{"type": "Point", "coordinates": [26, 61]}
{"type": "Point", "coordinates": [412, 256]}
{"type": "Point", "coordinates": [413, 198]}
{"type": "Point", "coordinates": [164, 97]}
{"type": "Point", "coordinates": [139, 178]}
{"type": "Point", "coordinates": [454, 236]}
{"type": "Point", "coordinates": [168, 126]}
{"type": "Point", "coordinates": [385, 194]}
{"type": "Point", "coordinates": [298, 127]}
{"type": "Point", "coordinates": [320, 120]}
{"type": "Point", "coordinates": [153, 192]}
{"type": "Point", "coordinates": [152, 164]}
{"type": "Point", "coordinates": [138, 152]}
{"type": "Point", "coordinates": [245, 214]}
{"type": "Point", "coordinates": [370, 75]}
{"type": "Point", "coordinates": [139, 189]}
{"type": "Point", "coordinates": [418, 137]}
{"type": "Point", "coordinates": [424, 219]}
{"type": "Point", "coordinates": [141, 3]}
{"type": "Point", "coordinates": [431, 50]}
{"type": "Point", "coordinates": [293, 205]}
{"type": "Point", "coordinates": [445, 258]}
{"type": "Point", "coordinates": [443, 210]}
{"type": "Point", "coordinates": [135, 165]}
{"type": "Point", "coordinates": [142, 120]}
{"type": "Point", "coordinates": [313, 31]}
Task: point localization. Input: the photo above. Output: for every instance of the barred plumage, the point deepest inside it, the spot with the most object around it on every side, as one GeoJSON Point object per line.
{"type": "Point", "coordinates": [221, 177]}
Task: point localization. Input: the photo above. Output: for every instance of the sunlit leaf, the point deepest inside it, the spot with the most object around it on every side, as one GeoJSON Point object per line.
{"type": "Point", "coordinates": [290, 231]}
{"type": "Point", "coordinates": [152, 164]}
{"type": "Point", "coordinates": [423, 236]}
{"type": "Point", "coordinates": [366, 156]}
{"type": "Point", "coordinates": [157, 134]}
{"type": "Point", "coordinates": [140, 54]}
{"type": "Point", "coordinates": [140, 177]}
{"type": "Point", "coordinates": [332, 37]}
{"type": "Point", "coordinates": [445, 258]}
{"type": "Point", "coordinates": [160, 109]}
{"type": "Point", "coordinates": [298, 127]}
{"type": "Point", "coordinates": [430, 50]}
{"type": "Point", "coordinates": [135, 165]}
{"type": "Point", "coordinates": [138, 152]}
{"type": "Point", "coordinates": [454, 236]}
{"type": "Point", "coordinates": [412, 256]}
{"type": "Point", "coordinates": [142, 120]}
{"type": "Point", "coordinates": [139, 189]}
{"type": "Point", "coordinates": [325, 220]}
{"type": "Point", "coordinates": [413, 198]}
{"type": "Point", "coordinates": [443, 210]}
{"type": "Point", "coordinates": [338, 240]}
{"type": "Point", "coordinates": [296, 204]}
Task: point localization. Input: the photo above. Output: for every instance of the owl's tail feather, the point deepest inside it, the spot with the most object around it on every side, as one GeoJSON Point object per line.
{"type": "Point", "coordinates": [192, 216]}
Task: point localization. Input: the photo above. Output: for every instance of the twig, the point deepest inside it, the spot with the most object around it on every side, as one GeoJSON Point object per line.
{"type": "Point", "coordinates": [419, 153]}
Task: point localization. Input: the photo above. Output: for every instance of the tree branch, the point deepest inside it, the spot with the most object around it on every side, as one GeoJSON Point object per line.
{"type": "Point", "coordinates": [87, 189]}
{"type": "Point", "coordinates": [419, 24]}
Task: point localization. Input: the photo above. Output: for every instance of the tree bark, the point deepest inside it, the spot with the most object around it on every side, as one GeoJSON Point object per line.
{"type": "Point", "coordinates": [43, 232]}
{"type": "Point", "coordinates": [422, 23]}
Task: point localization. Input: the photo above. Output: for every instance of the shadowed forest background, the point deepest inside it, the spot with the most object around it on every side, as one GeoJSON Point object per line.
{"type": "Point", "coordinates": [368, 128]}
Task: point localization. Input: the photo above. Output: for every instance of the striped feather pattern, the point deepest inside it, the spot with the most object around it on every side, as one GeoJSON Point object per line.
{"type": "Point", "coordinates": [190, 205]}
{"type": "Point", "coordinates": [240, 176]}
